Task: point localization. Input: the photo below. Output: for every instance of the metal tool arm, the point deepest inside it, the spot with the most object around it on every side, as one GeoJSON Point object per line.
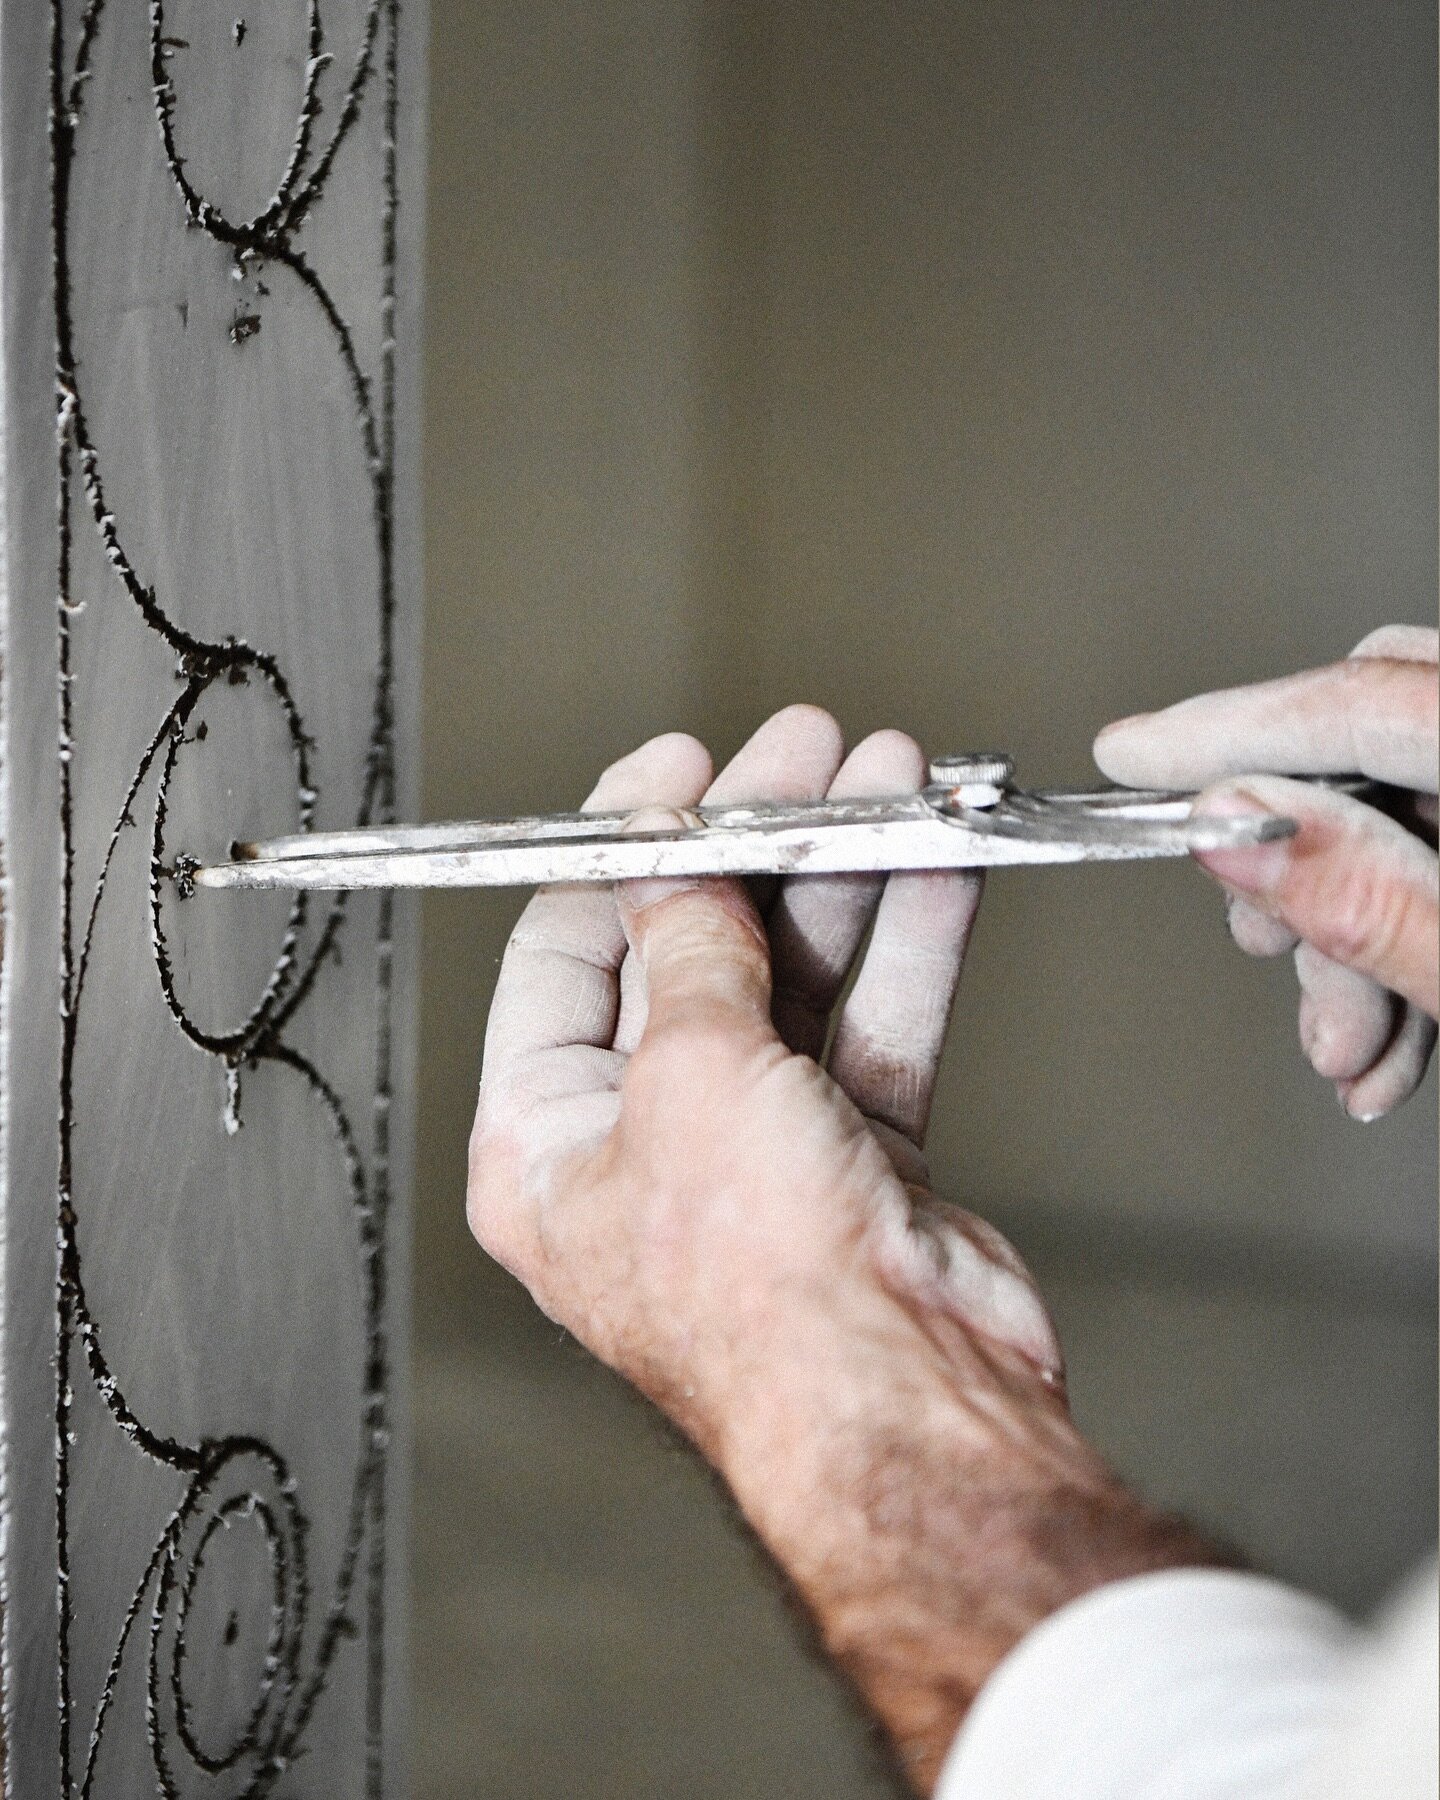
{"type": "Point", "coordinates": [970, 816]}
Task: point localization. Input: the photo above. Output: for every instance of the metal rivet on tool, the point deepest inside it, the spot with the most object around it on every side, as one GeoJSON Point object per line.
{"type": "Point", "coordinates": [977, 781]}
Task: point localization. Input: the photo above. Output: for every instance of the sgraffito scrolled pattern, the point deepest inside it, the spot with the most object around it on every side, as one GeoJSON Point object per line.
{"type": "Point", "coordinates": [264, 1571]}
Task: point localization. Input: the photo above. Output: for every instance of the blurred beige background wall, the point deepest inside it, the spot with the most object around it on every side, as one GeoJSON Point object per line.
{"type": "Point", "coordinates": [990, 371]}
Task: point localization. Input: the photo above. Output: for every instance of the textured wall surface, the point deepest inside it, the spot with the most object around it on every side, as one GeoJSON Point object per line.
{"type": "Point", "coordinates": [991, 371]}
{"type": "Point", "coordinates": [211, 258]}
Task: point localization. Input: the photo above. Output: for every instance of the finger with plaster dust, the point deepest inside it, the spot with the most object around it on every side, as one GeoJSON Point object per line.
{"type": "Point", "coordinates": [1396, 1074]}
{"type": "Point", "coordinates": [1255, 931]}
{"type": "Point", "coordinates": [1373, 716]}
{"type": "Point", "coordinates": [702, 949]}
{"type": "Point", "coordinates": [559, 981]}
{"type": "Point", "coordinates": [793, 756]}
{"type": "Point", "coordinates": [1353, 883]}
{"type": "Point", "coordinates": [891, 1030]}
{"type": "Point", "coordinates": [818, 922]}
{"type": "Point", "coordinates": [1401, 643]}
{"type": "Point", "coordinates": [1346, 1019]}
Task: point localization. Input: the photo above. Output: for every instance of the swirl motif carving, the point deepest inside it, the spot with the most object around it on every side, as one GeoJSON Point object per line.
{"type": "Point", "coordinates": [236, 1489]}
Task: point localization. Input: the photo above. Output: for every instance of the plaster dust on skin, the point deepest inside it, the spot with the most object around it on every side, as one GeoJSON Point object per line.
{"type": "Point", "coordinates": [237, 1479]}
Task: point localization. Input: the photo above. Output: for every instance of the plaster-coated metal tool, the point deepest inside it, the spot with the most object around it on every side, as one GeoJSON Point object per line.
{"type": "Point", "coordinates": [970, 816]}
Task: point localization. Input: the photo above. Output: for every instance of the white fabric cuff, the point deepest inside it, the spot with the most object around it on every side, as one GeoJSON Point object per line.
{"type": "Point", "coordinates": [1189, 1684]}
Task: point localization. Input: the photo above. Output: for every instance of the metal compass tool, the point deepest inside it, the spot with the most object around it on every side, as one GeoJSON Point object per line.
{"type": "Point", "coordinates": [970, 816]}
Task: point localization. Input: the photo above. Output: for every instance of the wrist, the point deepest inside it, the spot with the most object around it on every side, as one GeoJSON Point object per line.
{"type": "Point", "coordinates": [931, 1501]}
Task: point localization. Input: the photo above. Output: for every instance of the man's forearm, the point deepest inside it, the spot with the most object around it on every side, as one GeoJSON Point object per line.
{"type": "Point", "coordinates": [931, 1501]}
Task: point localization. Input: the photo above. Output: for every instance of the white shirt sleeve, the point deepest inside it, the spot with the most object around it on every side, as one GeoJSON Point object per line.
{"type": "Point", "coordinates": [1201, 1684]}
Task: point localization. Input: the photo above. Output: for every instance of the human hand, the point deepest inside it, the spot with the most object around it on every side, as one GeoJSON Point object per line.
{"type": "Point", "coordinates": [658, 1153]}
{"type": "Point", "coordinates": [751, 1237]}
{"type": "Point", "coordinates": [1355, 894]}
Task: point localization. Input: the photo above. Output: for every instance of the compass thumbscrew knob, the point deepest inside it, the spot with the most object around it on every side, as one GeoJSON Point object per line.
{"type": "Point", "coordinates": [979, 769]}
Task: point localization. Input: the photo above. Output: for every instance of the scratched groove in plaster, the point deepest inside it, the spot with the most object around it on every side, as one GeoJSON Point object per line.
{"type": "Point", "coordinates": [238, 1477]}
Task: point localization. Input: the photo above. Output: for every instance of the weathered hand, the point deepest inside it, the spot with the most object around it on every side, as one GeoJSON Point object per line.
{"type": "Point", "coordinates": [658, 1153]}
{"type": "Point", "coordinates": [1356, 895]}
{"type": "Point", "coordinates": [750, 1236]}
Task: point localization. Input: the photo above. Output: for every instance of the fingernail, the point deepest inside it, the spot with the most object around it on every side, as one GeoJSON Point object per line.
{"type": "Point", "coordinates": [1258, 867]}
{"type": "Point", "coordinates": [658, 818]}
{"type": "Point", "coordinates": [649, 890]}
{"type": "Point", "coordinates": [1124, 724]}
{"type": "Point", "coordinates": [1360, 1118]}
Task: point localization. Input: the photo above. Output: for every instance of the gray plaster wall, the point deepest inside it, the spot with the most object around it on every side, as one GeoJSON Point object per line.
{"type": "Point", "coordinates": [990, 371]}
{"type": "Point", "coordinates": [209, 629]}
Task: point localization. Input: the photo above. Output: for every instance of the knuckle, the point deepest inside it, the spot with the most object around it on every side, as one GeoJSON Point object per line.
{"type": "Point", "coordinates": [699, 942]}
{"type": "Point", "coordinates": [1355, 702]}
{"type": "Point", "coordinates": [690, 1043]}
{"type": "Point", "coordinates": [1385, 694]}
{"type": "Point", "coordinates": [1366, 914]}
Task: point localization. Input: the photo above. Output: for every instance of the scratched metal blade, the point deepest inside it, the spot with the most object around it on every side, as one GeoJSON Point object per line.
{"type": "Point", "coordinates": [539, 828]}
{"type": "Point", "coordinates": [874, 836]}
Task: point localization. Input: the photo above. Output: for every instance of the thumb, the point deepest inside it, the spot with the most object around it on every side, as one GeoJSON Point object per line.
{"type": "Point", "coordinates": [700, 943]}
{"type": "Point", "coordinates": [1352, 882]}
